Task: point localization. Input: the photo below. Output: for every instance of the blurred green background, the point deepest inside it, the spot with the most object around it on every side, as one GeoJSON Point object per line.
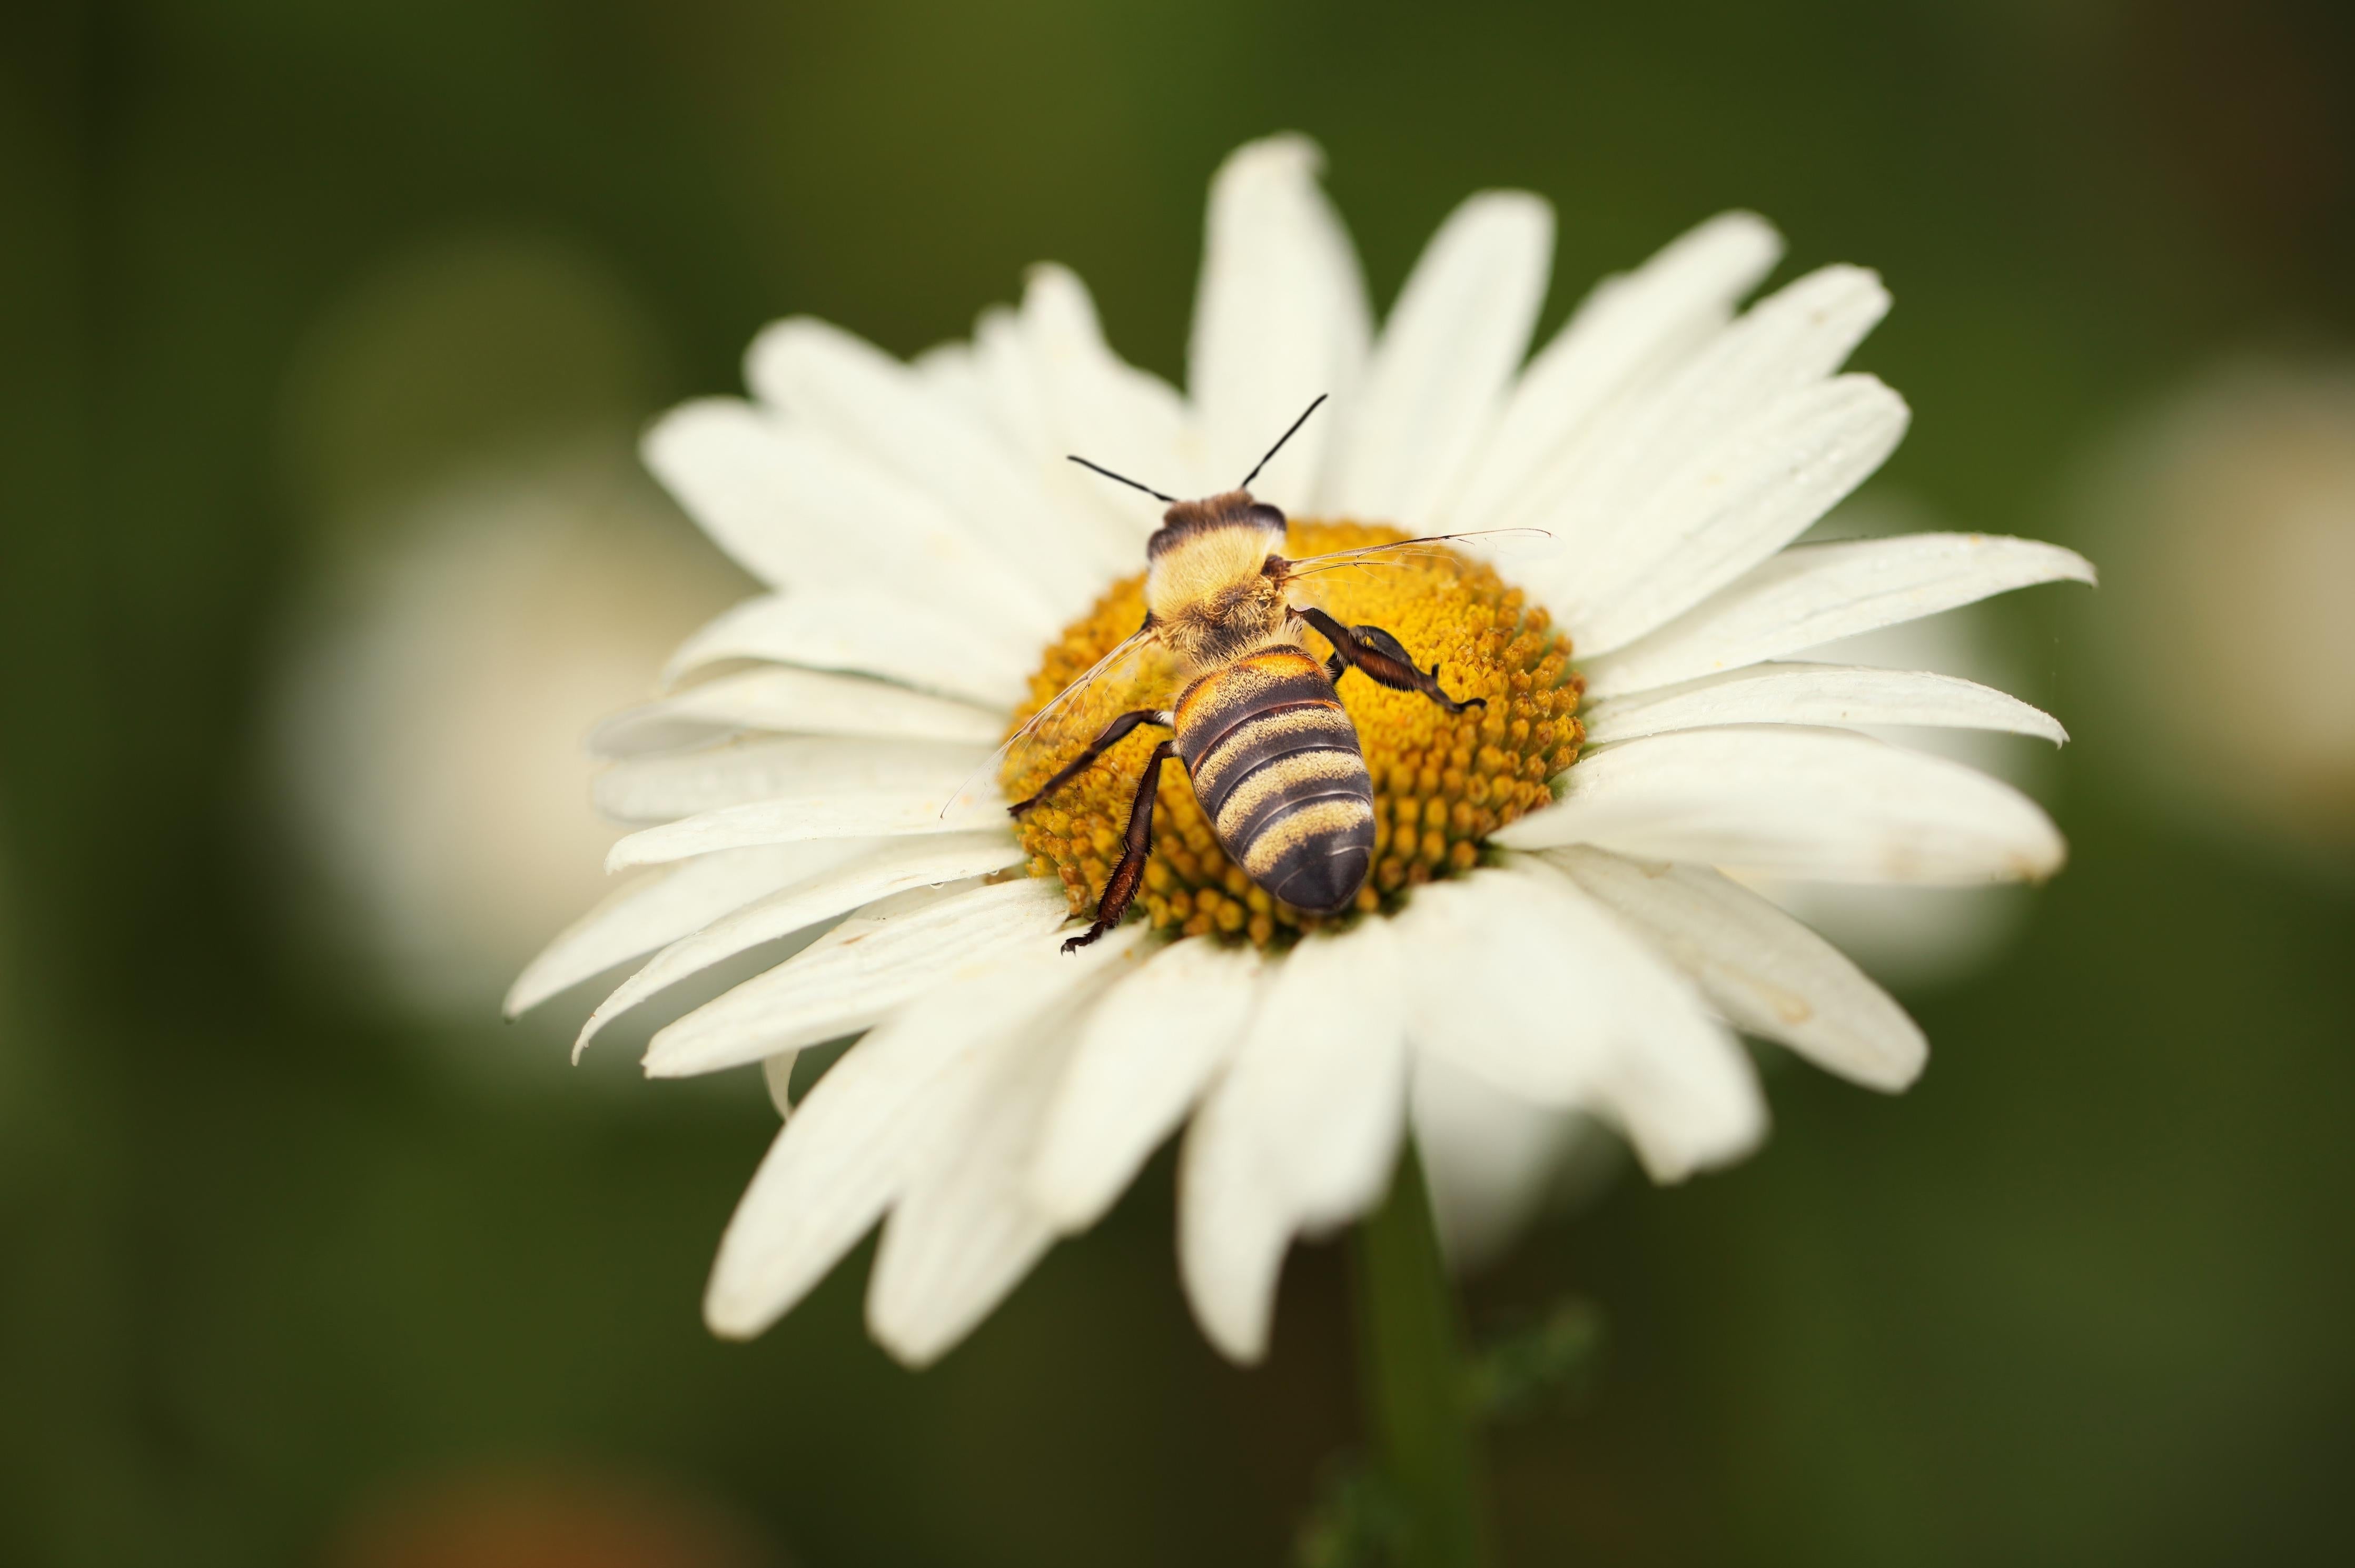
{"type": "Point", "coordinates": [297, 1267]}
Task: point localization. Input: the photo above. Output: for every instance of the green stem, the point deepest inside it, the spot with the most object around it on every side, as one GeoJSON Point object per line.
{"type": "Point", "coordinates": [1413, 1375]}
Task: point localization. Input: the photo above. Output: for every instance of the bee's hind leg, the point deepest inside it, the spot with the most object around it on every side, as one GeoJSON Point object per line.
{"type": "Point", "coordinates": [1383, 658]}
{"type": "Point", "coordinates": [1120, 888]}
{"type": "Point", "coordinates": [1114, 733]}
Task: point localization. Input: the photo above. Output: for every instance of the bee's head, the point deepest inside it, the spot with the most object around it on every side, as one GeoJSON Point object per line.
{"type": "Point", "coordinates": [1234, 509]}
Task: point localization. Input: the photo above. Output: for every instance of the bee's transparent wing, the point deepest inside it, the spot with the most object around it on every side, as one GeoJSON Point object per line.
{"type": "Point", "coordinates": [1068, 722]}
{"type": "Point", "coordinates": [1493, 541]}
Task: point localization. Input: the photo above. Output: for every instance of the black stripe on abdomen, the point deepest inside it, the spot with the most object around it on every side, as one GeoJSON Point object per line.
{"type": "Point", "coordinates": [1314, 852]}
{"type": "Point", "coordinates": [1274, 762]}
{"type": "Point", "coordinates": [1261, 707]}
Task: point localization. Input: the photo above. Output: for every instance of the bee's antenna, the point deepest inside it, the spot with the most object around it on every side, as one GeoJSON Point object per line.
{"type": "Point", "coordinates": [1124, 478]}
{"type": "Point", "coordinates": [1287, 436]}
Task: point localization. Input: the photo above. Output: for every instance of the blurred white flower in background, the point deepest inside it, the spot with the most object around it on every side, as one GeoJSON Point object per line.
{"type": "Point", "coordinates": [2228, 631]}
{"type": "Point", "coordinates": [432, 728]}
{"type": "Point", "coordinates": [491, 573]}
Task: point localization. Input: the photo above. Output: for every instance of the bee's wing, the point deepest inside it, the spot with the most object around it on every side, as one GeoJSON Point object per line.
{"type": "Point", "coordinates": [1401, 551]}
{"type": "Point", "coordinates": [1138, 659]}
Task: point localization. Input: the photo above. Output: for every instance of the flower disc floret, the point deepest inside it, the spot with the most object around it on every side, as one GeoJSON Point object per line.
{"type": "Point", "coordinates": [1442, 783]}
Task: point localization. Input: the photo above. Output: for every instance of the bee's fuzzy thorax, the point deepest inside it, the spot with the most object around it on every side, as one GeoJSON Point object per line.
{"type": "Point", "coordinates": [1204, 583]}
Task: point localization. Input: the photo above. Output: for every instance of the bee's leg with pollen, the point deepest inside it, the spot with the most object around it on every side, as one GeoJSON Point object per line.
{"type": "Point", "coordinates": [1383, 658]}
{"type": "Point", "coordinates": [1114, 733]}
{"type": "Point", "coordinates": [1120, 888]}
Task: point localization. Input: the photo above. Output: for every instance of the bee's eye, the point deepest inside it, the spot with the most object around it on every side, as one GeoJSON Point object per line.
{"type": "Point", "coordinates": [1267, 516]}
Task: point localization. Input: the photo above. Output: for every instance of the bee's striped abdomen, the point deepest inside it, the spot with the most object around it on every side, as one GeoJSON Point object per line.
{"type": "Point", "coordinates": [1274, 762]}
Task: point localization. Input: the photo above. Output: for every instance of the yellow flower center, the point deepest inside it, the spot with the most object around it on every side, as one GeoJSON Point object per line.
{"type": "Point", "coordinates": [1443, 782]}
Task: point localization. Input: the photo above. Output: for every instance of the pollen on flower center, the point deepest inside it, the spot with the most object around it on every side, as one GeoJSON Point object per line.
{"type": "Point", "coordinates": [1443, 782]}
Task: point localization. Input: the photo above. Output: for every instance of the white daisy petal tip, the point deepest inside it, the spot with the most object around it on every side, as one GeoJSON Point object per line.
{"type": "Point", "coordinates": [1810, 594]}
{"type": "Point", "coordinates": [1237, 1331]}
{"type": "Point", "coordinates": [1231, 1282]}
{"type": "Point", "coordinates": [1445, 361]}
{"type": "Point", "coordinates": [738, 1306]}
{"type": "Point", "coordinates": [862, 972]}
{"type": "Point", "coordinates": [1672, 1162]}
{"type": "Point", "coordinates": [1769, 975]}
{"type": "Point", "coordinates": [657, 908]}
{"type": "Point", "coordinates": [1736, 232]}
{"type": "Point", "coordinates": [1281, 317]}
{"type": "Point", "coordinates": [857, 874]}
{"type": "Point", "coordinates": [1234, 1226]}
{"type": "Point", "coordinates": [1285, 156]}
{"type": "Point", "coordinates": [1816, 694]}
{"type": "Point", "coordinates": [1808, 803]}
{"type": "Point", "coordinates": [914, 1344]}
{"type": "Point", "coordinates": [730, 1316]}
{"type": "Point", "coordinates": [784, 352]}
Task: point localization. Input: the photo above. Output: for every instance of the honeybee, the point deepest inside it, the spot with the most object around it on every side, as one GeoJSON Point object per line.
{"type": "Point", "coordinates": [1272, 756]}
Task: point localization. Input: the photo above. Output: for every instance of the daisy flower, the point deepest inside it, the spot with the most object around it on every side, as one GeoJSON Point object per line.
{"type": "Point", "coordinates": [1551, 922]}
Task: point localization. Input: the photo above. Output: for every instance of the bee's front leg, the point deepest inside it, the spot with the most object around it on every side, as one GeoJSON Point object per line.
{"type": "Point", "coordinates": [1114, 733]}
{"type": "Point", "coordinates": [1383, 657]}
{"type": "Point", "coordinates": [1120, 888]}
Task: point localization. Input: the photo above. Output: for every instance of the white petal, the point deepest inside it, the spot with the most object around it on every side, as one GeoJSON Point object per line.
{"type": "Point", "coordinates": [819, 372]}
{"type": "Point", "coordinates": [1766, 972]}
{"type": "Point", "coordinates": [1798, 335]}
{"type": "Point", "coordinates": [1522, 980]}
{"type": "Point", "coordinates": [1302, 1130]}
{"type": "Point", "coordinates": [1280, 318]}
{"type": "Point", "coordinates": [860, 972]}
{"type": "Point", "coordinates": [777, 1075]}
{"type": "Point", "coordinates": [1731, 510]}
{"type": "Point", "coordinates": [798, 509]}
{"type": "Point", "coordinates": [849, 1146]}
{"type": "Point", "coordinates": [889, 867]}
{"type": "Point", "coordinates": [1446, 359]}
{"type": "Point", "coordinates": [875, 634]}
{"type": "Point", "coordinates": [1006, 380]}
{"type": "Point", "coordinates": [798, 818]}
{"type": "Point", "coordinates": [1813, 594]}
{"type": "Point", "coordinates": [1036, 390]}
{"type": "Point", "coordinates": [1320, 1073]}
{"type": "Point", "coordinates": [956, 1244]}
{"type": "Point", "coordinates": [1487, 1156]}
{"type": "Point", "coordinates": [1816, 694]}
{"type": "Point", "coordinates": [1144, 1054]}
{"type": "Point", "coordinates": [1792, 338]}
{"type": "Point", "coordinates": [796, 702]}
{"type": "Point", "coordinates": [1821, 805]}
{"type": "Point", "coordinates": [834, 1166]}
{"type": "Point", "coordinates": [963, 1232]}
{"type": "Point", "coordinates": [1626, 334]}
{"type": "Point", "coordinates": [665, 906]}
{"type": "Point", "coordinates": [667, 787]}
{"type": "Point", "coordinates": [1094, 404]}
{"type": "Point", "coordinates": [951, 371]}
{"type": "Point", "coordinates": [1497, 990]}
{"type": "Point", "coordinates": [1234, 1225]}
